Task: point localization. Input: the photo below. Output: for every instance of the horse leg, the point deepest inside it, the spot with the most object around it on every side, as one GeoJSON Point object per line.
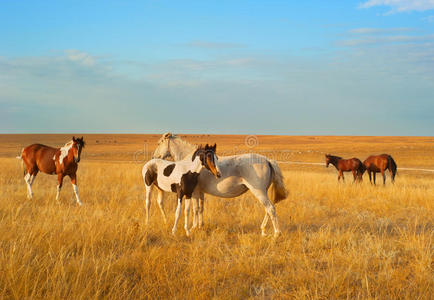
{"type": "Point", "coordinates": [59, 185]}
{"type": "Point", "coordinates": [264, 224]}
{"type": "Point", "coordinates": [201, 207]}
{"type": "Point", "coordinates": [186, 213]}
{"type": "Point", "coordinates": [148, 190]}
{"type": "Point", "coordinates": [370, 178]}
{"type": "Point", "coordinates": [354, 175]}
{"type": "Point", "coordinates": [29, 178]}
{"type": "Point", "coordinates": [391, 176]}
{"type": "Point", "coordinates": [75, 188]}
{"type": "Point", "coordinates": [177, 212]}
{"type": "Point", "coordinates": [375, 175]}
{"type": "Point", "coordinates": [32, 171]}
{"type": "Point", "coordinates": [342, 175]}
{"type": "Point", "coordinates": [384, 177]}
{"type": "Point", "coordinates": [269, 209]}
{"type": "Point", "coordinates": [160, 200]}
{"type": "Point", "coordinates": [195, 198]}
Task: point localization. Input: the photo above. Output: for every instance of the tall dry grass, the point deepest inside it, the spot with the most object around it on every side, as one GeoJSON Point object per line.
{"type": "Point", "coordinates": [339, 240]}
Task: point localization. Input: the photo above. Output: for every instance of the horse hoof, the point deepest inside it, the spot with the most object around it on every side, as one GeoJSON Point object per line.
{"type": "Point", "coordinates": [277, 234]}
{"type": "Point", "coordinates": [263, 233]}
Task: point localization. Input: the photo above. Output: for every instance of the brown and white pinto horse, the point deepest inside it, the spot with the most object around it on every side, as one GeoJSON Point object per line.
{"type": "Point", "coordinates": [61, 161]}
{"type": "Point", "coordinates": [180, 177]}
{"type": "Point", "coordinates": [346, 165]}
{"type": "Point", "coordinates": [380, 163]}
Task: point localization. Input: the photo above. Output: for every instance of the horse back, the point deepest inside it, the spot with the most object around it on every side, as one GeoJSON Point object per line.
{"type": "Point", "coordinates": [376, 163]}
{"type": "Point", "coordinates": [349, 164]}
{"type": "Point", "coordinates": [40, 157]}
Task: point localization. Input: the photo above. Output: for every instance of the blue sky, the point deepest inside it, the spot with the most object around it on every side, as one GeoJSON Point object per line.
{"type": "Point", "coordinates": [249, 67]}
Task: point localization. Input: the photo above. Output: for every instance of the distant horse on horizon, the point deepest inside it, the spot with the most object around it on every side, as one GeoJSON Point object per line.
{"type": "Point", "coordinates": [346, 165]}
{"type": "Point", "coordinates": [378, 164]}
{"type": "Point", "coordinates": [61, 161]}
{"type": "Point", "coordinates": [239, 174]}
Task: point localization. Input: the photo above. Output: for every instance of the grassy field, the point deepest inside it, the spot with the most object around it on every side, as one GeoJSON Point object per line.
{"type": "Point", "coordinates": [339, 240]}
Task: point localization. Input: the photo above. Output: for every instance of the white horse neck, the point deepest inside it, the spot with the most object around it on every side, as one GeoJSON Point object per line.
{"type": "Point", "coordinates": [194, 166]}
{"type": "Point", "coordinates": [180, 149]}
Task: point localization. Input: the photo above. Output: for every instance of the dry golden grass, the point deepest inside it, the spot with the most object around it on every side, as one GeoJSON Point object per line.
{"type": "Point", "coordinates": [339, 240]}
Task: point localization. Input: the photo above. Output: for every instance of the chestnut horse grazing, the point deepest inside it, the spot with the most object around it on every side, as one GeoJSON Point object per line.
{"type": "Point", "coordinates": [345, 165]}
{"type": "Point", "coordinates": [61, 161]}
{"type": "Point", "coordinates": [380, 163]}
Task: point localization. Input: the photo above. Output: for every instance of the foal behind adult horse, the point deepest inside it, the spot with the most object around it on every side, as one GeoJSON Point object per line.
{"type": "Point", "coordinates": [346, 165]}
{"type": "Point", "coordinates": [380, 163]}
{"type": "Point", "coordinates": [61, 161]}
{"type": "Point", "coordinates": [180, 177]}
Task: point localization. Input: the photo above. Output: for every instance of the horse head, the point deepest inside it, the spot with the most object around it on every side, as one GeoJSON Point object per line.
{"type": "Point", "coordinates": [327, 157]}
{"type": "Point", "coordinates": [163, 148]}
{"type": "Point", "coordinates": [77, 147]}
{"type": "Point", "coordinates": [208, 158]}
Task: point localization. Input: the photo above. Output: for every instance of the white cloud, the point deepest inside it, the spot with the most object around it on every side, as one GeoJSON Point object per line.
{"type": "Point", "coordinates": [80, 57]}
{"type": "Point", "coordinates": [368, 30]}
{"type": "Point", "coordinates": [381, 40]}
{"type": "Point", "coordinates": [400, 5]}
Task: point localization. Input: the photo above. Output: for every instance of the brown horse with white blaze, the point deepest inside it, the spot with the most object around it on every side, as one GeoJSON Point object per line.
{"type": "Point", "coordinates": [380, 163]}
{"type": "Point", "coordinates": [346, 165]}
{"type": "Point", "coordinates": [61, 161]}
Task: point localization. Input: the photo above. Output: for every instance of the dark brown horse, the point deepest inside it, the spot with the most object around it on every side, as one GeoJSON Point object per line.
{"type": "Point", "coordinates": [380, 163]}
{"type": "Point", "coordinates": [346, 165]}
{"type": "Point", "coordinates": [61, 161]}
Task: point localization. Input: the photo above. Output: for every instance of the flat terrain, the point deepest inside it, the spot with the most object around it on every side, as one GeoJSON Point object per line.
{"type": "Point", "coordinates": [340, 240]}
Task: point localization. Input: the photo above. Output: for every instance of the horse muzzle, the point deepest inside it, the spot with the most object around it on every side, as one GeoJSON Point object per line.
{"type": "Point", "coordinates": [77, 159]}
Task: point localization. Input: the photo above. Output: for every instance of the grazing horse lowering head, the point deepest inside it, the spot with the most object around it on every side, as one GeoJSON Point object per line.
{"type": "Point", "coordinates": [77, 146]}
{"type": "Point", "coordinates": [208, 158]}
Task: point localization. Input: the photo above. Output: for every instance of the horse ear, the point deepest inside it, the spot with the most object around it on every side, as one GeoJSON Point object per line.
{"type": "Point", "coordinates": [214, 147]}
{"type": "Point", "coordinates": [73, 138]}
{"type": "Point", "coordinates": [81, 138]}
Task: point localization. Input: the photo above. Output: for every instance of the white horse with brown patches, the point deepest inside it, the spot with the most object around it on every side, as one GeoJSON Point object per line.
{"type": "Point", "coordinates": [178, 177]}
{"type": "Point", "coordinates": [61, 161]}
{"type": "Point", "coordinates": [239, 173]}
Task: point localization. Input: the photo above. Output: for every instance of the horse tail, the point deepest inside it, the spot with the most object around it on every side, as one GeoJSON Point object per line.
{"type": "Point", "coordinates": [391, 164]}
{"type": "Point", "coordinates": [361, 169]}
{"type": "Point", "coordinates": [278, 189]}
{"type": "Point", "coordinates": [20, 157]}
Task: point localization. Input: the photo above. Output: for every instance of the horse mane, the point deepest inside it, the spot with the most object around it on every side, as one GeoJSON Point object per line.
{"type": "Point", "coordinates": [68, 144]}
{"type": "Point", "coordinates": [184, 147]}
{"type": "Point", "coordinates": [334, 157]}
